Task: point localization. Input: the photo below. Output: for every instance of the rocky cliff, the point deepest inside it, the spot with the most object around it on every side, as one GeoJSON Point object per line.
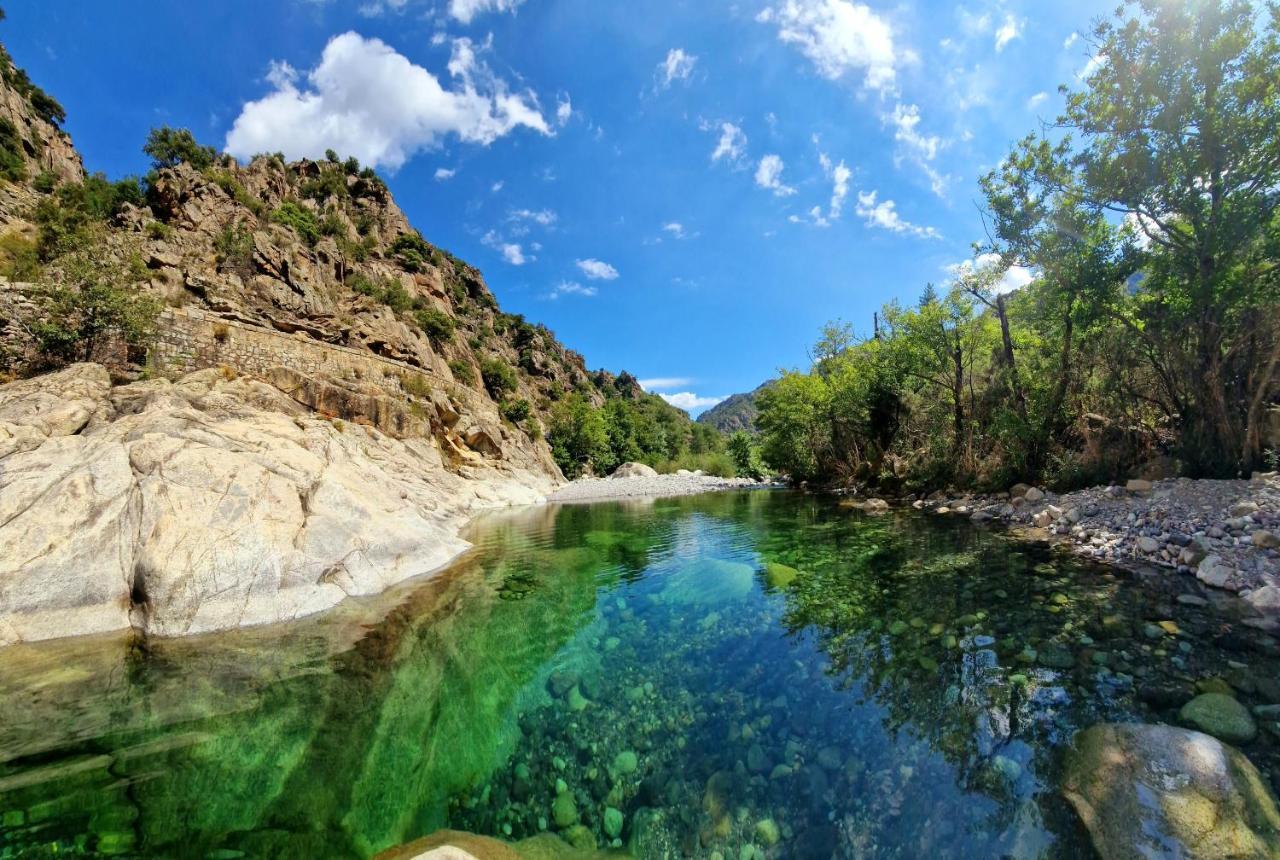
{"type": "Point", "coordinates": [737, 412]}
{"type": "Point", "coordinates": [325, 397]}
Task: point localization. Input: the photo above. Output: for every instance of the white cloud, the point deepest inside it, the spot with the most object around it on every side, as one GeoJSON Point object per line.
{"type": "Point", "coordinates": [678, 66]}
{"type": "Point", "coordinates": [1013, 278]}
{"type": "Point", "coordinates": [497, 186]}
{"type": "Point", "coordinates": [598, 270]}
{"type": "Point", "coordinates": [571, 288]}
{"type": "Point", "coordinates": [1070, 40]}
{"type": "Point", "coordinates": [1095, 62]}
{"type": "Point", "coordinates": [840, 37]}
{"type": "Point", "coordinates": [512, 252]}
{"type": "Point", "coordinates": [769, 175]}
{"type": "Point", "coordinates": [1011, 29]}
{"type": "Point", "coordinates": [884, 214]}
{"type": "Point", "coordinates": [465, 10]}
{"type": "Point", "coordinates": [541, 217]}
{"type": "Point", "coordinates": [920, 148]}
{"type": "Point", "coordinates": [1036, 100]}
{"type": "Point", "coordinates": [564, 110]}
{"type": "Point", "coordinates": [660, 382]}
{"type": "Point", "coordinates": [732, 144]}
{"type": "Point", "coordinates": [690, 402]}
{"type": "Point", "coordinates": [839, 174]}
{"type": "Point", "coordinates": [443, 174]}
{"type": "Point", "coordinates": [374, 8]}
{"type": "Point", "coordinates": [367, 100]}
{"type": "Point", "coordinates": [675, 228]}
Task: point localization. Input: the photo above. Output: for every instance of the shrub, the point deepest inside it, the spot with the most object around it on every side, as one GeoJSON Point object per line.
{"type": "Point", "coordinates": [745, 455]}
{"type": "Point", "coordinates": [12, 166]}
{"type": "Point", "coordinates": [329, 184]}
{"type": "Point", "coordinates": [169, 147]}
{"type": "Point", "coordinates": [234, 246]}
{"type": "Point", "coordinates": [437, 324]}
{"type": "Point", "coordinates": [462, 372]}
{"type": "Point", "coordinates": [301, 221]}
{"type": "Point", "coordinates": [94, 303]}
{"type": "Point", "coordinates": [516, 411]}
{"type": "Point", "coordinates": [159, 230]}
{"type": "Point", "coordinates": [498, 376]}
{"type": "Point", "coordinates": [411, 251]}
{"type": "Point", "coordinates": [19, 258]}
{"type": "Point", "coordinates": [225, 180]}
{"type": "Point", "coordinates": [719, 464]}
{"type": "Point", "coordinates": [45, 182]}
{"type": "Point", "coordinates": [64, 218]}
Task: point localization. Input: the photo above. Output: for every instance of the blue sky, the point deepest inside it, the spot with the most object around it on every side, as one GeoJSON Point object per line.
{"type": "Point", "coordinates": [685, 190]}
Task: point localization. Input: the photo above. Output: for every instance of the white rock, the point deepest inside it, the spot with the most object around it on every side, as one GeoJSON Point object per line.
{"type": "Point", "coordinates": [1148, 545]}
{"type": "Point", "coordinates": [639, 470]}
{"type": "Point", "coordinates": [1212, 571]}
{"type": "Point", "coordinates": [1138, 485]}
{"type": "Point", "coordinates": [1265, 540]}
{"type": "Point", "coordinates": [1033, 495]}
{"type": "Point", "coordinates": [1243, 509]}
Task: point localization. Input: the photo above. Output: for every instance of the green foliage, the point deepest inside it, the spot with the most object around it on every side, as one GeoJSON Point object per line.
{"type": "Point", "coordinates": [411, 251]}
{"type": "Point", "coordinates": [438, 325]}
{"type": "Point", "coordinates": [516, 411]}
{"type": "Point", "coordinates": [169, 147]}
{"type": "Point", "coordinates": [42, 104]}
{"type": "Point", "coordinates": [745, 453]}
{"type": "Point", "coordinates": [19, 258]}
{"type": "Point", "coordinates": [45, 182]}
{"type": "Point", "coordinates": [462, 371]}
{"type": "Point", "coordinates": [330, 184]}
{"type": "Point", "coordinates": [93, 305]}
{"type": "Point", "coordinates": [718, 463]}
{"type": "Point", "coordinates": [498, 376]}
{"type": "Point", "coordinates": [579, 438]}
{"type": "Point", "coordinates": [301, 220]}
{"type": "Point", "coordinates": [64, 218]}
{"type": "Point", "coordinates": [234, 246]}
{"type": "Point", "coordinates": [227, 181]}
{"type": "Point", "coordinates": [12, 166]}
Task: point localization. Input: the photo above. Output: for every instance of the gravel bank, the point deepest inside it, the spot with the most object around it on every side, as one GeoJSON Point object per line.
{"type": "Point", "coordinates": [1225, 533]}
{"type": "Point", "coordinates": [603, 489]}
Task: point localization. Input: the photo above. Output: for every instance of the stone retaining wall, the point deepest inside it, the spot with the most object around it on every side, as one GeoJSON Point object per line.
{"type": "Point", "coordinates": [191, 339]}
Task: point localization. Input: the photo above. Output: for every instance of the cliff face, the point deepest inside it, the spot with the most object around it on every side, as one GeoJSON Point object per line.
{"type": "Point", "coordinates": [735, 413]}
{"type": "Point", "coordinates": [327, 398]}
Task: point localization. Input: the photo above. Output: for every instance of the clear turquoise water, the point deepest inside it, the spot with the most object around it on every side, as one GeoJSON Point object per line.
{"type": "Point", "coordinates": [900, 687]}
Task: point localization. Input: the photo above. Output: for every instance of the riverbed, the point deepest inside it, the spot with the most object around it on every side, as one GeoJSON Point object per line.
{"type": "Point", "coordinates": [753, 674]}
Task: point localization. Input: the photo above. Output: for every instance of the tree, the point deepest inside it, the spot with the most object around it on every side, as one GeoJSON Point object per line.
{"type": "Point", "coordinates": [579, 439]}
{"type": "Point", "coordinates": [1179, 133]}
{"type": "Point", "coordinates": [169, 147]}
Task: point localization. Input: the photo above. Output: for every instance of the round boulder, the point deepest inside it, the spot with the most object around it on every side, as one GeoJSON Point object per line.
{"type": "Point", "coordinates": [1160, 791]}
{"type": "Point", "coordinates": [1220, 715]}
{"type": "Point", "coordinates": [634, 470]}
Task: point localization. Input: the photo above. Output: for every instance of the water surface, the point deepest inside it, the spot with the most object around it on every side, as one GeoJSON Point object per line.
{"type": "Point", "coordinates": [754, 674]}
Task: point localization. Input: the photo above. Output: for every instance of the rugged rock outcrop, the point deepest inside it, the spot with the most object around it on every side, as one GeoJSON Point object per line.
{"type": "Point", "coordinates": [1159, 791]}
{"type": "Point", "coordinates": [219, 501]}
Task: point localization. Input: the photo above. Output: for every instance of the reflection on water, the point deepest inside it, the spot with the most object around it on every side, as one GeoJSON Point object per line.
{"type": "Point", "coordinates": [754, 674]}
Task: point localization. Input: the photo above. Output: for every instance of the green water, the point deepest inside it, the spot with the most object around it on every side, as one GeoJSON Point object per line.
{"type": "Point", "coordinates": [677, 678]}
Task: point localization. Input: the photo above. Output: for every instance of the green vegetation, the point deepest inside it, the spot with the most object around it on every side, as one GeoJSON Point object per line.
{"type": "Point", "coordinates": [438, 325]}
{"type": "Point", "coordinates": [516, 411]}
{"type": "Point", "coordinates": [745, 453]}
{"type": "Point", "coordinates": [462, 371]}
{"type": "Point", "coordinates": [64, 218]}
{"type": "Point", "coordinates": [12, 166]}
{"type": "Point", "coordinates": [234, 246]}
{"type": "Point", "coordinates": [169, 147]}
{"type": "Point", "coordinates": [301, 220]}
{"type": "Point", "coordinates": [411, 251]}
{"type": "Point", "coordinates": [1153, 323]}
{"type": "Point", "coordinates": [44, 105]}
{"type": "Point", "coordinates": [498, 376]}
{"type": "Point", "coordinates": [94, 308]}
{"type": "Point", "coordinates": [19, 258]}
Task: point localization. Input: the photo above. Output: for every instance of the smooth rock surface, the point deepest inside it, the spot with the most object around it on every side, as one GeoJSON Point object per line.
{"type": "Point", "coordinates": [213, 503]}
{"type": "Point", "coordinates": [1147, 791]}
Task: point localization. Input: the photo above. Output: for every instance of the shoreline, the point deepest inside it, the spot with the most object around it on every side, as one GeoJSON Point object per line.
{"type": "Point", "coordinates": [588, 490]}
{"type": "Point", "coordinates": [1222, 533]}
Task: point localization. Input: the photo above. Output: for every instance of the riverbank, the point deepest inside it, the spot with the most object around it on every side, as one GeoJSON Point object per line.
{"type": "Point", "coordinates": [650, 486]}
{"type": "Point", "coordinates": [1225, 533]}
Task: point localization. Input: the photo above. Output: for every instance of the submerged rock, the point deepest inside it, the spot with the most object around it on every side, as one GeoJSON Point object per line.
{"type": "Point", "coordinates": [1159, 791]}
{"type": "Point", "coordinates": [1221, 716]}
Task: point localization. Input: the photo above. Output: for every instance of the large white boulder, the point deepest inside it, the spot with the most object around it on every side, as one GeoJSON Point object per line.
{"type": "Point", "coordinates": [208, 504]}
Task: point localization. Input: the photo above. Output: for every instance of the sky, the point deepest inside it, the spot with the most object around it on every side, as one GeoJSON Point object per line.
{"type": "Point", "coordinates": [684, 190]}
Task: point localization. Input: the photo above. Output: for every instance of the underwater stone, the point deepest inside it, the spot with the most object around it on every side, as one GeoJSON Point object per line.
{"type": "Point", "coordinates": [767, 831]}
{"type": "Point", "coordinates": [780, 575]}
{"type": "Point", "coordinates": [1116, 778]}
{"type": "Point", "coordinates": [625, 762]}
{"type": "Point", "coordinates": [564, 812]}
{"type": "Point", "coordinates": [613, 822]}
{"type": "Point", "coordinates": [1221, 716]}
{"type": "Point", "coordinates": [897, 628]}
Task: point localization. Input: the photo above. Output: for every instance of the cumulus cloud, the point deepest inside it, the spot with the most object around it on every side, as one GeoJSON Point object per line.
{"type": "Point", "coordinates": [1008, 31]}
{"type": "Point", "coordinates": [1010, 278]}
{"type": "Point", "coordinates": [466, 10]}
{"type": "Point", "coordinates": [769, 176]}
{"type": "Point", "coordinates": [367, 100]}
{"type": "Point", "coordinates": [690, 402]}
{"type": "Point", "coordinates": [675, 228]}
{"type": "Point", "coordinates": [678, 66]}
{"type": "Point", "coordinates": [919, 148]}
{"type": "Point", "coordinates": [1070, 40]}
{"type": "Point", "coordinates": [839, 37]}
{"type": "Point", "coordinates": [884, 215]}
{"type": "Point", "coordinates": [839, 174]}
{"type": "Point", "coordinates": [541, 217]}
{"type": "Point", "coordinates": [444, 174]}
{"type": "Point", "coordinates": [512, 252]}
{"type": "Point", "coordinates": [571, 288]}
{"type": "Point", "coordinates": [598, 270]}
{"type": "Point", "coordinates": [658, 383]}
{"type": "Point", "coordinates": [732, 145]}
{"type": "Point", "coordinates": [564, 110]}
{"type": "Point", "coordinates": [1038, 99]}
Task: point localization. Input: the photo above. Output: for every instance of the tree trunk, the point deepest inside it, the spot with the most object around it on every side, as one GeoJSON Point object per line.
{"type": "Point", "coordinates": [1019, 398]}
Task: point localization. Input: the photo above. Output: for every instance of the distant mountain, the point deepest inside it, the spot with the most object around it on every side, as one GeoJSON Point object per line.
{"type": "Point", "coordinates": [736, 413]}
